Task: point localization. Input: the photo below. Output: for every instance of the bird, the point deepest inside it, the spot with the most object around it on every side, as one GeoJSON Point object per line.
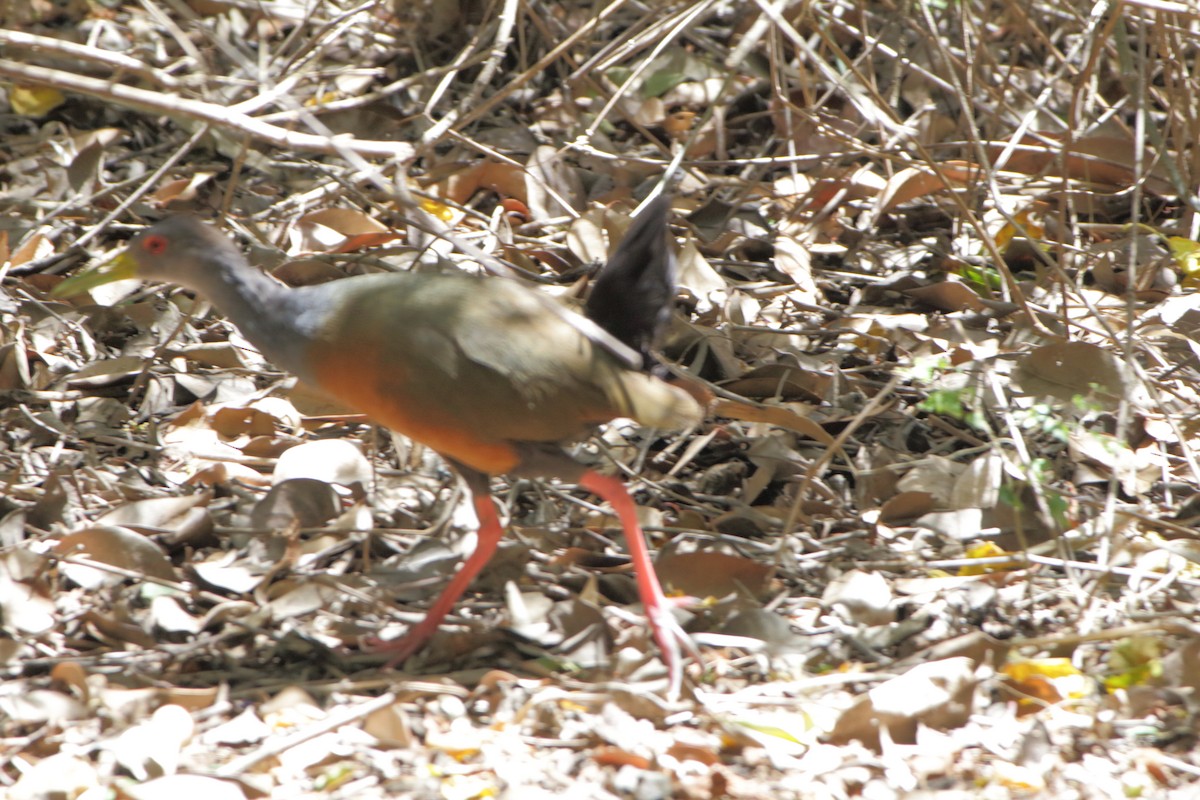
{"type": "Point", "coordinates": [492, 375]}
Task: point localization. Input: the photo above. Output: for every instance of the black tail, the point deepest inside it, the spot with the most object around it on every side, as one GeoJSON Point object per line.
{"type": "Point", "coordinates": [631, 297]}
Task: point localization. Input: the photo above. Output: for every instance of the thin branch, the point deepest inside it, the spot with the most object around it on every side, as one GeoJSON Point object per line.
{"type": "Point", "coordinates": [211, 113]}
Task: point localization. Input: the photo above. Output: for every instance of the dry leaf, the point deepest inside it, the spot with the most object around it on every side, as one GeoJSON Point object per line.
{"type": "Point", "coordinates": [116, 546]}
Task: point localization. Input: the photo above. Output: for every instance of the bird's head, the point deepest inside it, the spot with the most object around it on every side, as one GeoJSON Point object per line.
{"type": "Point", "coordinates": [176, 250]}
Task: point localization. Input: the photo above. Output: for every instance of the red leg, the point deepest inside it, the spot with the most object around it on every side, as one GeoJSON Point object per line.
{"type": "Point", "coordinates": [667, 632]}
{"type": "Point", "coordinates": [490, 533]}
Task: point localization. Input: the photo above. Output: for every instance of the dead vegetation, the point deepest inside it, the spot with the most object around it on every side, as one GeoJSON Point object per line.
{"type": "Point", "coordinates": [938, 267]}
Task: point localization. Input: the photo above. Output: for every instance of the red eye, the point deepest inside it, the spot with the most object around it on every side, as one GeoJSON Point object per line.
{"type": "Point", "coordinates": [155, 244]}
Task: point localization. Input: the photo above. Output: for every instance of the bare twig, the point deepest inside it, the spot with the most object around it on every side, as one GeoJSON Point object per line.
{"type": "Point", "coordinates": [211, 113]}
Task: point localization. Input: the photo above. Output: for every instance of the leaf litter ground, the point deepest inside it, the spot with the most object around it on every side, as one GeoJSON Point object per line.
{"type": "Point", "coordinates": [937, 268]}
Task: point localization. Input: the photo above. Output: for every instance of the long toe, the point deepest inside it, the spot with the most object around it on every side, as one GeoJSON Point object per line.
{"type": "Point", "coordinates": [673, 641]}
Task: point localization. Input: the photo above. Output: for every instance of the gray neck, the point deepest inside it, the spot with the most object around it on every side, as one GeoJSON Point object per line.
{"type": "Point", "coordinates": [241, 292]}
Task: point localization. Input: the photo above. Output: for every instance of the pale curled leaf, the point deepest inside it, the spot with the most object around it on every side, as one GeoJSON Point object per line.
{"type": "Point", "coordinates": [861, 597]}
{"type": "Point", "coordinates": [330, 460]}
{"type": "Point", "coordinates": [937, 694]}
{"type": "Point", "coordinates": [154, 512]}
{"type": "Point", "coordinates": [24, 608]}
{"type": "Point", "coordinates": [152, 748]}
{"type": "Point", "coordinates": [179, 787]}
{"type": "Point", "coordinates": [58, 775]}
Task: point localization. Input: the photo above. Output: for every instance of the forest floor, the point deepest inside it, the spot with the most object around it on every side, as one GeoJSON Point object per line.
{"type": "Point", "coordinates": [937, 267]}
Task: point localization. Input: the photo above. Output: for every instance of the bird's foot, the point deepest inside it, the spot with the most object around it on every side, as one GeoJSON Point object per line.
{"type": "Point", "coordinates": [672, 640]}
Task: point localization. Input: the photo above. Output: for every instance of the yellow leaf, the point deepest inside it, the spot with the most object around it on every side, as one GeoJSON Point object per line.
{"type": "Point", "coordinates": [34, 101]}
{"type": "Point", "coordinates": [321, 99]}
{"type": "Point", "coordinates": [1186, 253]}
{"type": "Point", "coordinates": [1047, 681]}
{"type": "Point", "coordinates": [440, 210]}
{"type": "Point", "coordinates": [1134, 661]}
{"type": "Point", "coordinates": [1040, 668]}
{"type": "Point", "coordinates": [985, 550]}
{"type": "Point", "coordinates": [1022, 226]}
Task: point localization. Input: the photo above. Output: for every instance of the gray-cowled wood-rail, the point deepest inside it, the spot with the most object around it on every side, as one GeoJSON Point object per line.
{"type": "Point", "coordinates": [490, 374]}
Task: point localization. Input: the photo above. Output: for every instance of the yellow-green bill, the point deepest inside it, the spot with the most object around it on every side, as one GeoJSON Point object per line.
{"type": "Point", "coordinates": [120, 268]}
